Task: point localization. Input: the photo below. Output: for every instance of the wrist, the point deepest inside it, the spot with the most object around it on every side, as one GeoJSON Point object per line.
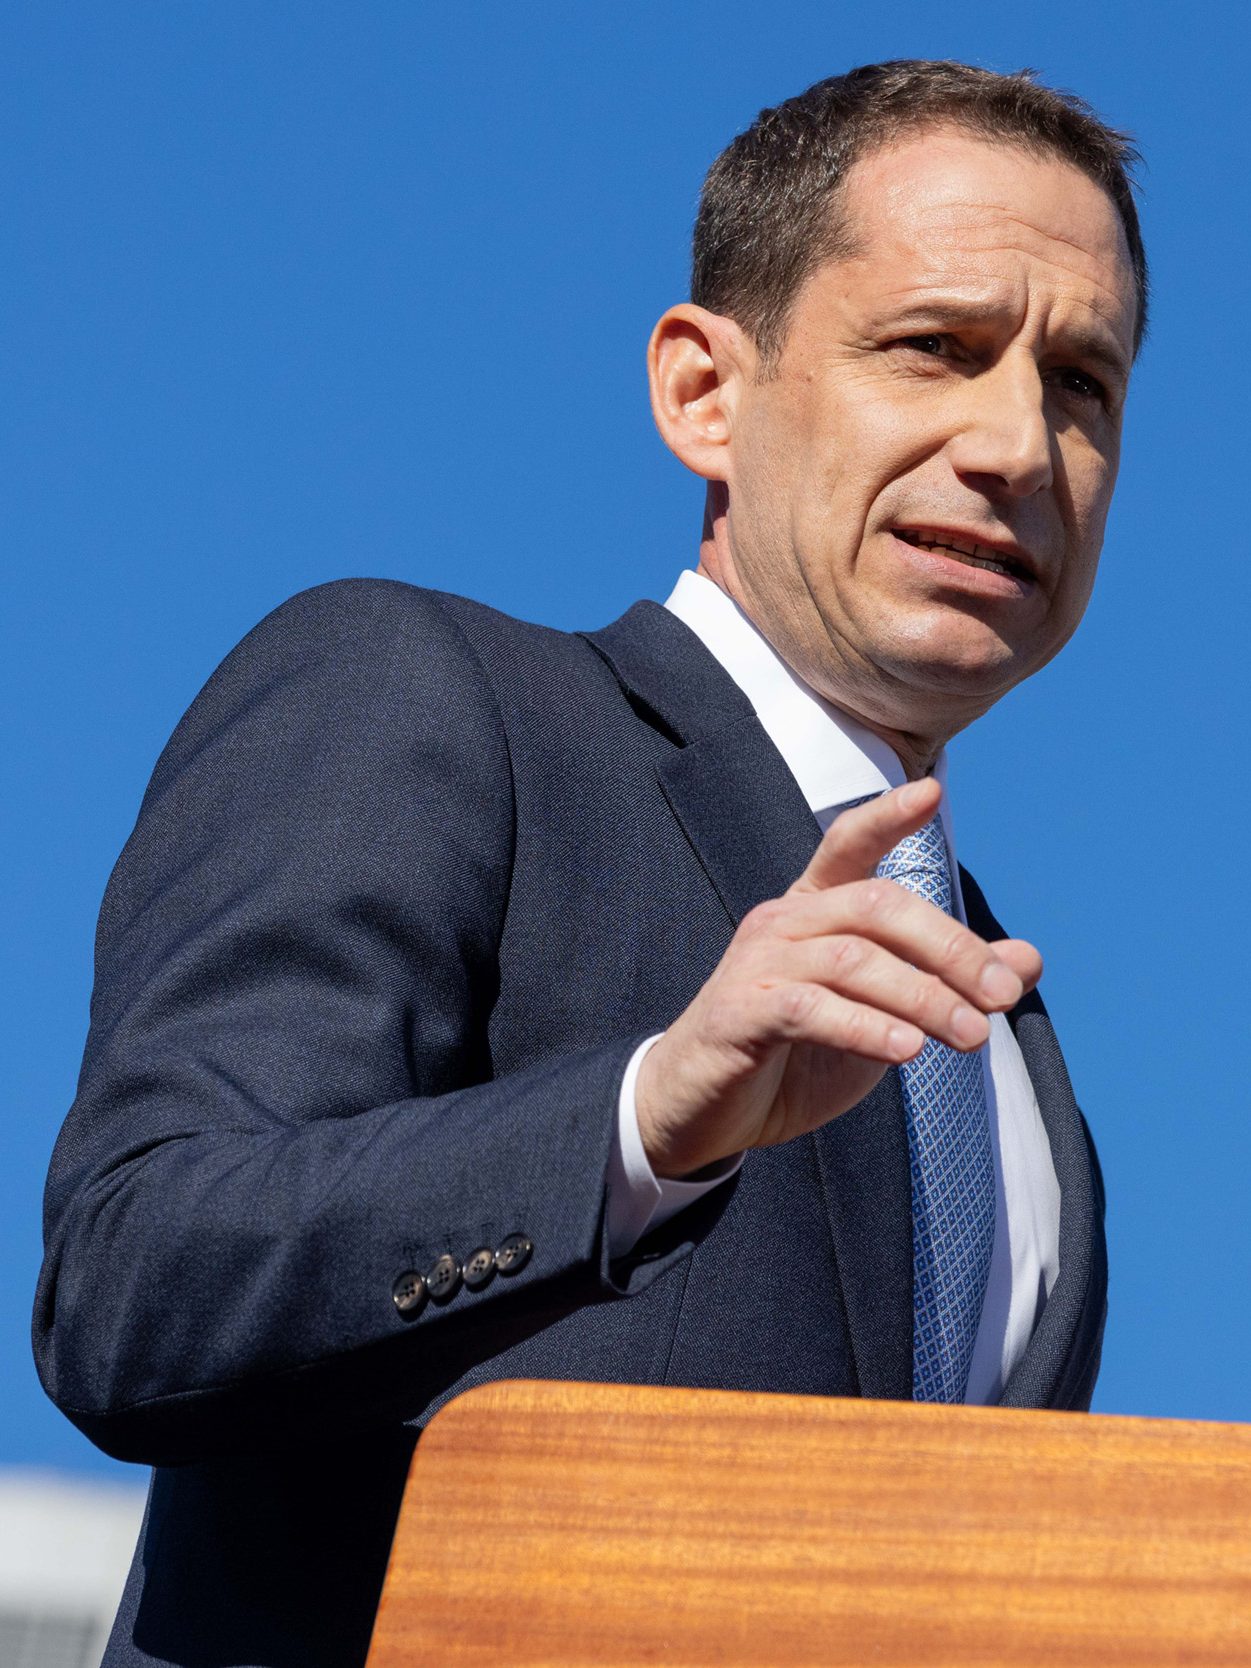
{"type": "Point", "coordinates": [671, 1143]}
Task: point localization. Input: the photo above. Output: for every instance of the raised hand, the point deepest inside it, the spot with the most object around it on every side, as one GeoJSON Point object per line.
{"type": "Point", "coordinates": [818, 993]}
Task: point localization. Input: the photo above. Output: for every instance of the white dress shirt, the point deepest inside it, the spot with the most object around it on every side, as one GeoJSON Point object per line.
{"type": "Point", "coordinates": [834, 761]}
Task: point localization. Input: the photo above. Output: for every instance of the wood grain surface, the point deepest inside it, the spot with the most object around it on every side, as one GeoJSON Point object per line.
{"type": "Point", "coordinates": [574, 1526]}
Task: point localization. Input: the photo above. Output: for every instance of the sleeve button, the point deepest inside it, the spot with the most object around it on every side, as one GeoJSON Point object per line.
{"type": "Point", "coordinates": [514, 1254]}
{"type": "Point", "coordinates": [443, 1279]}
{"type": "Point", "coordinates": [479, 1267]}
{"type": "Point", "coordinates": [409, 1294]}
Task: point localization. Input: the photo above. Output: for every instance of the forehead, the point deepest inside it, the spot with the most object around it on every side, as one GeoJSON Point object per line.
{"type": "Point", "coordinates": [944, 207]}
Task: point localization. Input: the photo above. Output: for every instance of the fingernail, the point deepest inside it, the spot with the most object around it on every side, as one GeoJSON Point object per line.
{"type": "Point", "coordinates": [911, 796]}
{"type": "Point", "coordinates": [902, 1041]}
{"type": "Point", "coordinates": [1000, 985]}
{"type": "Point", "coordinates": [968, 1026]}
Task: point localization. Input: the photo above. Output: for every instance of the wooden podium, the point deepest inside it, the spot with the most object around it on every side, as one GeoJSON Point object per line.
{"type": "Point", "coordinates": [579, 1526]}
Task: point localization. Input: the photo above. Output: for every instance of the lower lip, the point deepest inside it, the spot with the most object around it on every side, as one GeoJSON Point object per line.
{"type": "Point", "coordinates": [963, 576]}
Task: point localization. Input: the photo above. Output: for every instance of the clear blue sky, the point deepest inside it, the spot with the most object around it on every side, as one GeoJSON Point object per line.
{"type": "Point", "coordinates": [296, 291]}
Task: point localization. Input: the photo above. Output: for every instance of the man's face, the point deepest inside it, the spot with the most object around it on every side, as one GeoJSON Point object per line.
{"type": "Point", "coordinates": [917, 495]}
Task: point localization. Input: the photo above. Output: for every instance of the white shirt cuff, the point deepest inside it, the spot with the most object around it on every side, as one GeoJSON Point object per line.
{"type": "Point", "coordinates": [638, 1199]}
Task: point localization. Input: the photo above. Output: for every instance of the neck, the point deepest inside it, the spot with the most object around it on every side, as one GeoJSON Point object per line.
{"type": "Point", "coordinates": [917, 753]}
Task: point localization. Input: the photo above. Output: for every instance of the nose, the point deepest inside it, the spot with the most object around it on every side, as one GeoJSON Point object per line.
{"type": "Point", "coordinates": [1004, 444]}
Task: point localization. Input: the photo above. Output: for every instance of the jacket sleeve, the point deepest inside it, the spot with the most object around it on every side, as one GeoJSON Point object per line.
{"type": "Point", "coordinates": [286, 1099]}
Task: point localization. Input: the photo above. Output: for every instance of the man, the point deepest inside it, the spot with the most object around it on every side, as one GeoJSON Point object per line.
{"type": "Point", "coordinates": [455, 964]}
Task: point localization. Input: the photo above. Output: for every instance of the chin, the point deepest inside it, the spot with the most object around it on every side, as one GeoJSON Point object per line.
{"type": "Point", "coordinates": [974, 667]}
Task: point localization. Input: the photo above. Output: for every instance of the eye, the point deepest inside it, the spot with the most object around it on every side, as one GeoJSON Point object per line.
{"type": "Point", "coordinates": [1081, 383]}
{"type": "Point", "coordinates": [933, 344]}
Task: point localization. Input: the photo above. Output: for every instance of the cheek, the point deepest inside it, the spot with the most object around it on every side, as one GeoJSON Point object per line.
{"type": "Point", "coordinates": [1089, 530]}
{"type": "Point", "coordinates": [858, 452]}
{"type": "Point", "coordinates": [894, 458]}
{"type": "Point", "coordinates": [1090, 470]}
{"type": "Point", "coordinates": [1089, 477]}
{"type": "Point", "coordinates": [1071, 597]}
{"type": "Point", "coordinates": [1074, 595]}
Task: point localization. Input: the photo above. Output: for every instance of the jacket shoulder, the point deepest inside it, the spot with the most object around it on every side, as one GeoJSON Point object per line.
{"type": "Point", "coordinates": [370, 615]}
{"type": "Point", "coordinates": [369, 611]}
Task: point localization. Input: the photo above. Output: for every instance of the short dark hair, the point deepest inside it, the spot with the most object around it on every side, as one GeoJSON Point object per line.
{"type": "Point", "coordinates": [767, 215]}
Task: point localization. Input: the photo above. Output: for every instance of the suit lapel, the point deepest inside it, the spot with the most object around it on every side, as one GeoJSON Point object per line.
{"type": "Point", "coordinates": [1055, 1360]}
{"type": "Point", "coordinates": [863, 1159]}
{"type": "Point", "coordinates": [752, 830]}
{"type": "Point", "coordinates": [1057, 1365]}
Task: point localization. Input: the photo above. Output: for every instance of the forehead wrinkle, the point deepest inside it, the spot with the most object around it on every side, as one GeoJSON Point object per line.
{"type": "Point", "coordinates": [875, 196]}
{"type": "Point", "coordinates": [899, 204]}
{"type": "Point", "coordinates": [1090, 267]}
{"type": "Point", "coordinates": [1122, 252]}
{"type": "Point", "coordinates": [988, 234]}
{"type": "Point", "coordinates": [1113, 302]}
{"type": "Point", "coordinates": [976, 300]}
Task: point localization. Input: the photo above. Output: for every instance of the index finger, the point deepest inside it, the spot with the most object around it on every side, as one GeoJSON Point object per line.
{"type": "Point", "coordinates": [857, 841]}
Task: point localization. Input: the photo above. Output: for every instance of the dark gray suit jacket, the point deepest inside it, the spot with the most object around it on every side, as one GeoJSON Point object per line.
{"type": "Point", "coordinates": [410, 883]}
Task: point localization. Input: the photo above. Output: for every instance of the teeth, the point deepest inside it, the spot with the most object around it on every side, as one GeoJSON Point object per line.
{"type": "Point", "coordinates": [976, 556]}
{"type": "Point", "coordinates": [966, 556]}
{"type": "Point", "coordinates": [978, 562]}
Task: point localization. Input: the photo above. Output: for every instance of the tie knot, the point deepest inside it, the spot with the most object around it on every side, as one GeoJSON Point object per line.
{"type": "Point", "coordinates": [919, 863]}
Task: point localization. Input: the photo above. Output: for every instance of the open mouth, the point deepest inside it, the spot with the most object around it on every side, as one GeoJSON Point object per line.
{"type": "Point", "coordinates": [965, 550]}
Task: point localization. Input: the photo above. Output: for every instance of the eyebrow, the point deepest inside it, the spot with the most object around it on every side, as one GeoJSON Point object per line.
{"type": "Point", "coordinates": [1092, 346]}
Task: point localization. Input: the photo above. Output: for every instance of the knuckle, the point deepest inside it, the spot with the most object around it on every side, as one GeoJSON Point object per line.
{"type": "Point", "coordinates": [953, 947]}
{"type": "Point", "coordinates": [845, 955]}
{"type": "Point", "coordinates": [730, 1011]}
{"type": "Point", "coordinates": [764, 918]}
{"type": "Point", "coordinates": [935, 1000]}
{"type": "Point", "coordinates": [796, 1009]}
{"type": "Point", "coordinates": [877, 897]}
{"type": "Point", "coordinates": [855, 1030]}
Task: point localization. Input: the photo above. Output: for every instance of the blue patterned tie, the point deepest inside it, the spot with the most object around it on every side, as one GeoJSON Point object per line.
{"type": "Point", "coordinates": [953, 1177]}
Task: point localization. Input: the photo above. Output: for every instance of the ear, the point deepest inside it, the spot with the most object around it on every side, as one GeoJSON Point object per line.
{"type": "Point", "coordinates": [697, 366]}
